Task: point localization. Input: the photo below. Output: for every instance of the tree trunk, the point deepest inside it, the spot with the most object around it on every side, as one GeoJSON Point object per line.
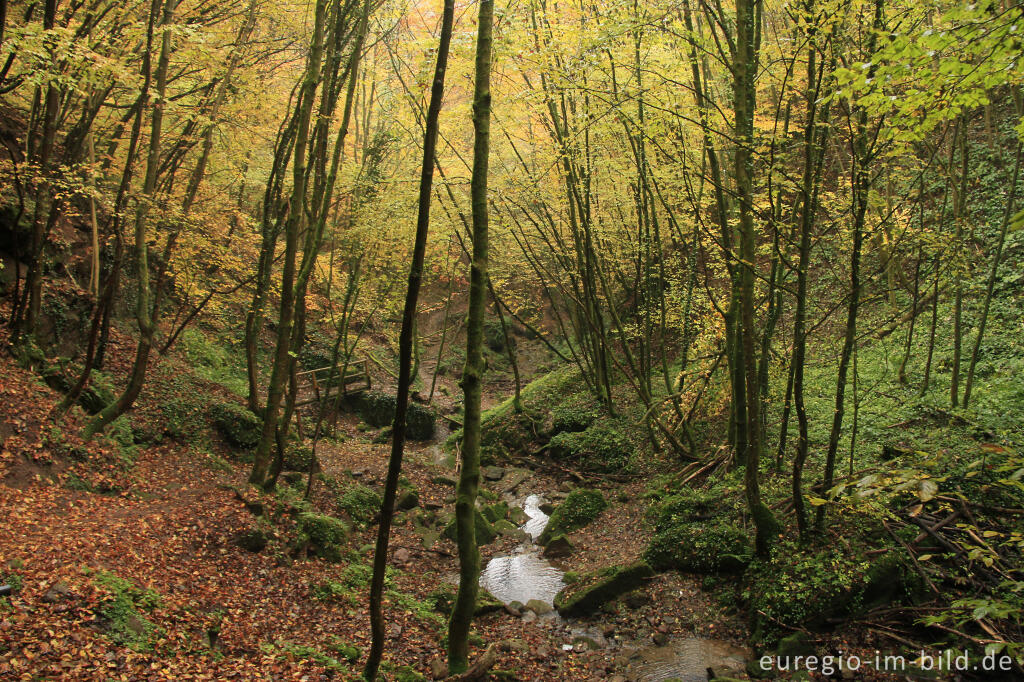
{"type": "Point", "coordinates": [469, 477]}
{"type": "Point", "coordinates": [405, 343]}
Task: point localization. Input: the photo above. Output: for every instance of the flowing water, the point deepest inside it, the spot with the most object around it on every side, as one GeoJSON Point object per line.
{"type": "Point", "coordinates": [524, 575]}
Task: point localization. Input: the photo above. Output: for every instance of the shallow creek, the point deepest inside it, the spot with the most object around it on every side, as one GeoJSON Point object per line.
{"type": "Point", "coordinates": [526, 574]}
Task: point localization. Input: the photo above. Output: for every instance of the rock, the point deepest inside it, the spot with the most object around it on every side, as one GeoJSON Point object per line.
{"type": "Point", "coordinates": [56, 593]}
{"type": "Point", "coordinates": [517, 516]}
{"type": "Point", "coordinates": [584, 643]}
{"type": "Point", "coordinates": [660, 639]}
{"type": "Point", "coordinates": [546, 507]}
{"type": "Point", "coordinates": [529, 617]}
{"type": "Point", "coordinates": [438, 669]}
{"type": "Point", "coordinates": [558, 547]}
{"type": "Point", "coordinates": [566, 486]}
{"type": "Point", "coordinates": [608, 630]}
{"type": "Point", "coordinates": [358, 473]}
{"type": "Point", "coordinates": [589, 600]}
{"type": "Point", "coordinates": [513, 477]}
{"type": "Point", "coordinates": [796, 644]}
{"type": "Point", "coordinates": [495, 512]}
{"type": "Point", "coordinates": [487, 603]}
{"type": "Point", "coordinates": [402, 556]}
{"type": "Point", "coordinates": [493, 473]}
{"type": "Point", "coordinates": [516, 605]}
{"type": "Point", "coordinates": [516, 611]}
{"type": "Point", "coordinates": [539, 607]}
{"type": "Point", "coordinates": [507, 528]}
{"type": "Point", "coordinates": [408, 500]}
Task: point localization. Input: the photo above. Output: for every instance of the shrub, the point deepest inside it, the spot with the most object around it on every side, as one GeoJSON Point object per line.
{"type": "Point", "coordinates": [240, 427]}
{"type": "Point", "coordinates": [574, 416]}
{"type": "Point", "coordinates": [298, 458]}
{"type": "Point", "coordinates": [580, 508]}
{"type": "Point", "coordinates": [699, 548]}
{"type": "Point", "coordinates": [360, 503]}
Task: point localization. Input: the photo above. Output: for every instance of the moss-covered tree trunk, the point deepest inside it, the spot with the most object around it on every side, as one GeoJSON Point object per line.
{"type": "Point", "coordinates": [744, 71]}
{"type": "Point", "coordinates": [469, 478]}
{"type": "Point", "coordinates": [405, 347]}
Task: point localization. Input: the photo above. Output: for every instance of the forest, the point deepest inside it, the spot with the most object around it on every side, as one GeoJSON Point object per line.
{"type": "Point", "coordinates": [528, 340]}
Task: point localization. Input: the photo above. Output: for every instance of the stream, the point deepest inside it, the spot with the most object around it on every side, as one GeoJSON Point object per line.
{"type": "Point", "coordinates": [526, 574]}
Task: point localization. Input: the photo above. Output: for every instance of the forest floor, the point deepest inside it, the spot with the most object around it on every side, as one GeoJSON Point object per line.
{"type": "Point", "coordinates": [198, 606]}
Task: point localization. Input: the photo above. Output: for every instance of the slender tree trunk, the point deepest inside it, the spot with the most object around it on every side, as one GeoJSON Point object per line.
{"type": "Point", "coordinates": [405, 343]}
{"type": "Point", "coordinates": [744, 93]}
{"type": "Point", "coordinates": [990, 287]}
{"type": "Point", "coordinates": [469, 477]}
{"type": "Point", "coordinates": [143, 314]}
{"type": "Point", "coordinates": [860, 188]}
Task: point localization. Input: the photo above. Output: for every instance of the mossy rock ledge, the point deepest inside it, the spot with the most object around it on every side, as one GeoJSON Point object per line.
{"type": "Point", "coordinates": [576, 602]}
{"type": "Point", "coordinates": [580, 508]}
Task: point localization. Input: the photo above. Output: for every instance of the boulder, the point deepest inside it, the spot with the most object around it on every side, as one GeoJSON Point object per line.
{"type": "Point", "coordinates": [616, 582]}
{"type": "Point", "coordinates": [541, 608]}
{"type": "Point", "coordinates": [493, 473]}
{"type": "Point", "coordinates": [408, 500]}
{"type": "Point", "coordinates": [558, 547]}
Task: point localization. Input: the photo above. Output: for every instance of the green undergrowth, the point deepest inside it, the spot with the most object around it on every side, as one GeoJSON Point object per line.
{"type": "Point", "coordinates": [580, 508]}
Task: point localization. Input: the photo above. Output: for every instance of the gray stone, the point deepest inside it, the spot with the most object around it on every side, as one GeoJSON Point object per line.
{"type": "Point", "coordinates": [492, 473]}
{"type": "Point", "coordinates": [529, 617]}
{"type": "Point", "coordinates": [539, 607]}
{"type": "Point", "coordinates": [558, 547]}
{"type": "Point", "coordinates": [56, 593]}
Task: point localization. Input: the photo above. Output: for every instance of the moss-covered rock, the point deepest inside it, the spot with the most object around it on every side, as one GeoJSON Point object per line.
{"type": "Point", "coordinates": [496, 512]}
{"type": "Point", "coordinates": [378, 409]}
{"type": "Point", "coordinates": [240, 427]}
{"type": "Point", "coordinates": [603, 446]}
{"type": "Point", "coordinates": [359, 503]}
{"type": "Point", "coordinates": [485, 533]}
{"type": "Point", "coordinates": [323, 535]}
{"type": "Point", "coordinates": [298, 457]}
{"type": "Point", "coordinates": [587, 600]}
{"type": "Point", "coordinates": [700, 547]}
{"type": "Point", "coordinates": [685, 506]}
{"type": "Point", "coordinates": [580, 508]}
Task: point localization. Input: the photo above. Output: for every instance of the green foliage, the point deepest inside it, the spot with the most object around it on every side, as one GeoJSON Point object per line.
{"type": "Point", "coordinates": [574, 415]}
{"type": "Point", "coordinates": [240, 427]}
{"type": "Point", "coordinates": [214, 362]}
{"type": "Point", "coordinates": [298, 457]}
{"type": "Point", "coordinates": [580, 508]}
{"type": "Point", "coordinates": [122, 611]}
{"type": "Point", "coordinates": [803, 588]}
{"type": "Point", "coordinates": [303, 652]}
{"type": "Point", "coordinates": [182, 417]}
{"type": "Point", "coordinates": [360, 503]}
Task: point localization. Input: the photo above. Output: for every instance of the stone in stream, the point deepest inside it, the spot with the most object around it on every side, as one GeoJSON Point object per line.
{"type": "Point", "coordinates": [508, 529]}
{"type": "Point", "coordinates": [558, 547]}
{"type": "Point", "coordinates": [539, 607]}
{"type": "Point", "coordinates": [589, 600]}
